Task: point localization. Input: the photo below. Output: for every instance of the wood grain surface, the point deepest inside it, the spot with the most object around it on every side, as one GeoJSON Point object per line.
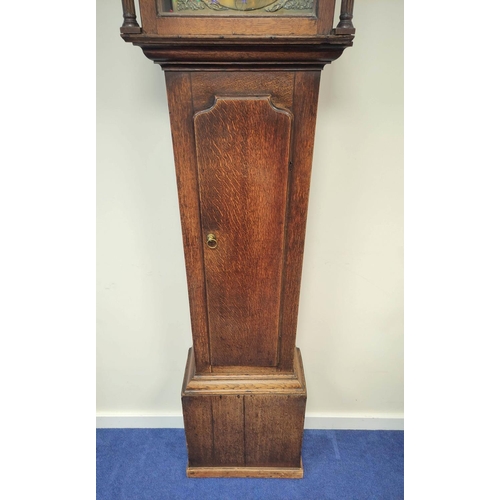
{"type": "Point", "coordinates": [257, 423]}
{"type": "Point", "coordinates": [255, 472]}
{"type": "Point", "coordinates": [306, 91]}
{"type": "Point", "coordinates": [181, 123]}
{"type": "Point", "coordinates": [248, 379]}
{"type": "Point", "coordinates": [243, 155]}
{"type": "Point", "coordinates": [243, 171]}
{"type": "Point", "coordinates": [278, 84]}
{"type": "Point", "coordinates": [272, 423]}
{"type": "Point", "coordinates": [198, 419]}
{"type": "Point", "coordinates": [228, 427]}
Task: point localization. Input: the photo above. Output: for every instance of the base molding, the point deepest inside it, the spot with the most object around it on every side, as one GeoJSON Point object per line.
{"type": "Point", "coordinates": [255, 472]}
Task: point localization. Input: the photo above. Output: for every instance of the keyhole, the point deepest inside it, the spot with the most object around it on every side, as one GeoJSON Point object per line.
{"type": "Point", "coordinates": [211, 241]}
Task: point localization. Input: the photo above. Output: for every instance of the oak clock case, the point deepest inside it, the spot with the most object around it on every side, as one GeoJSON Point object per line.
{"type": "Point", "coordinates": [242, 80]}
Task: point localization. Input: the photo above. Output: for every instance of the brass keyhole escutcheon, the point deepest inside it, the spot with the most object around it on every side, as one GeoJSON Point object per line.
{"type": "Point", "coordinates": [211, 241]}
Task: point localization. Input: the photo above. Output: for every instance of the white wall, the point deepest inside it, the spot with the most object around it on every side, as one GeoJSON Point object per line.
{"type": "Point", "coordinates": [351, 309]}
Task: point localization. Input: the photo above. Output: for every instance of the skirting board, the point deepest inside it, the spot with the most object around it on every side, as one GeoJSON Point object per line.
{"type": "Point", "coordinates": [318, 421]}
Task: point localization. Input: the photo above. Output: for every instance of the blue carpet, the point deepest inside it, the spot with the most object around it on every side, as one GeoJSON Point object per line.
{"type": "Point", "coordinates": [150, 464]}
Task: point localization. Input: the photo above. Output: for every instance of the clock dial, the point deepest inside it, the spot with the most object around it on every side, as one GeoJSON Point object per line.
{"type": "Point", "coordinates": [246, 4]}
{"type": "Point", "coordinates": [237, 7]}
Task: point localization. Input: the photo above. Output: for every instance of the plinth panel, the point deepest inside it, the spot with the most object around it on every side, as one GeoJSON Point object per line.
{"type": "Point", "coordinates": [215, 429]}
{"type": "Point", "coordinates": [274, 426]}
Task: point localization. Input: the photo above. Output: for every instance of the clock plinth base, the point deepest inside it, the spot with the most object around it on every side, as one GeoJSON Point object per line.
{"type": "Point", "coordinates": [244, 424]}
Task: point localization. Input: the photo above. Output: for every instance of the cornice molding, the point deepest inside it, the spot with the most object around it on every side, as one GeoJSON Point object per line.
{"type": "Point", "coordinates": [240, 52]}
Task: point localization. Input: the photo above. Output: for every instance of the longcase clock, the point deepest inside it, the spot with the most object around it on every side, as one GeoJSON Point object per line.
{"type": "Point", "coordinates": [242, 81]}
